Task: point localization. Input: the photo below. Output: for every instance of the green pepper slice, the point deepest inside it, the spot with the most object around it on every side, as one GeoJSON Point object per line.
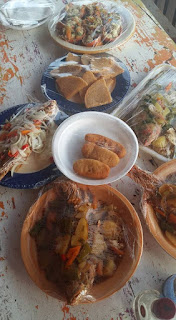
{"type": "Point", "coordinates": [86, 249]}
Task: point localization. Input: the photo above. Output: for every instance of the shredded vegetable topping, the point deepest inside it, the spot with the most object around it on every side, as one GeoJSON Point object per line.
{"type": "Point", "coordinates": [154, 121]}
{"type": "Point", "coordinates": [80, 240]}
{"type": "Point", "coordinates": [89, 25]}
{"type": "Point", "coordinates": [26, 132]}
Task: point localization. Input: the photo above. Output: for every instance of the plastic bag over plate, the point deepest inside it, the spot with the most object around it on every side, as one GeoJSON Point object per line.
{"type": "Point", "coordinates": [150, 110]}
{"type": "Point", "coordinates": [87, 79]}
{"type": "Point", "coordinates": [26, 14]}
{"type": "Point", "coordinates": [81, 243]}
{"type": "Point", "coordinates": [90, 24]}
{"type": "Point", "coordinates": [158, 202]}
{"type": "Point", "coordinates": [25, 137]}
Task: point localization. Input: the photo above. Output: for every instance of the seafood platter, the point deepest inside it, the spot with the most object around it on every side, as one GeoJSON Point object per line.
{"type": "Point", "coordinates": [91, 27]}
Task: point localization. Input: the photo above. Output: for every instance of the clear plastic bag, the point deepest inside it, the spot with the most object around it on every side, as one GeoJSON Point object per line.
{"type": "Point", "coordinates": [84, 26]}
{"type": "Point", "coordinates": [81, 243]}
{"type": "Point", "coordinates": [150, 110]}
{"type": "Point", "coordinates": [26, 14]}
{"type": "Point", "coordinates": [25, 142]}
{"type": "Point", "coordinates": [158, 202]}
{"type": "Point", "coordinates": [87, 79]}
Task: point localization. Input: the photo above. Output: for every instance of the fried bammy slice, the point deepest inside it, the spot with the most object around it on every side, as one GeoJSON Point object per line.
{"type": "Point", "coordinates": [73, 57]}
{"type": "Point", "coordinates": [89, 77]}
{"type": "Point", "coordinates": [70, 85]}
{"type": "Point", "coordinates": [97, 94]}
{"type": "Point", "coordinates": [91, 168]}
{"type": "Point", "coordinates": [92, 151]}
{"type": "Point", "coordinates": [107, 143]}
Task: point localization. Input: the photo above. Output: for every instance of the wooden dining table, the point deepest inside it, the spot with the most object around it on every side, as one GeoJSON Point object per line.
{"type": "Point", "coordinates": [24, 57]}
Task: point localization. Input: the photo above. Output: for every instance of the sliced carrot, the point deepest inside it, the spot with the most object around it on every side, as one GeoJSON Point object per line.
{"type": "Point", "coordinates": [162, 213]}
{"type": "Point", "coordinates": [168, 87]}
{"type": "Point", "coordinates": [172, 218]}
{"type": "Point", "coordinates": [68, 33]}
{"type": "Point", "coordinates": [117, 251]}
{"type": "Point", "coordinates": [13, 155]}
{"type": "Point", "coordinates": [24, 132]}
{"type": "Point", "coordinates": [71, 255]}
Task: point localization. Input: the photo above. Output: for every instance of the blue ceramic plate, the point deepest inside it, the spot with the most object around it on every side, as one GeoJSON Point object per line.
{"type": "Point", "coordinates": [48, 86]}
{"type": "Point", "coordinates": [35, 179]}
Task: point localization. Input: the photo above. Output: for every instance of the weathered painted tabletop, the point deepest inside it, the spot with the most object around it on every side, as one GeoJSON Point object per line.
{"type": "Point", "coordinates": [24, 56]}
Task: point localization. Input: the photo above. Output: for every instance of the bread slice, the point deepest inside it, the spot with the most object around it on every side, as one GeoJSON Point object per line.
{"type": "Point", "coordinates": [102, 62]}
{"type": "Point", "coordinates": [70, 85]}
{"type": "Point", "coordinates": [97, 94]}
{"type": "Point", "coordinates": [85, 59]}
{"type": "Point", "coordinates": [74, 69]}
{"type": "Point", "coordinates": [105, 67]}
{"type": "Point", "coordinates": [111, 83]}
{"type": "Point", "coordinates": [89, 77]}
{"type": "Point", "coordinates": [73, 57]}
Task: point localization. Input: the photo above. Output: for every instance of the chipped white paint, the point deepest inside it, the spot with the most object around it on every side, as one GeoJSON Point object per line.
{"type": "Point", "coordinates": [28, 54]}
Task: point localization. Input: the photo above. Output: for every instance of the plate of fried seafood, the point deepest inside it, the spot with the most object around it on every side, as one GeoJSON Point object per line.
{"type": "Point", "coordinates": [94, 148]}
{"type": "Point", "coordinates": [91, 27]}
{"type": "Point", "coordinates": [150, 110]}
{"type": "Point", "coordinates": [86, 82]}
{"type": "Point", "coordinates": [159, 203]}
{"type": "Point", "coordinates": [81, 244]}
{"type": "Point", "coordinates": [25, 136]}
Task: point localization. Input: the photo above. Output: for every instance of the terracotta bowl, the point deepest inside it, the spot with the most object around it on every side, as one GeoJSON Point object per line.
{"type": "Point", "coordinates": [128, 265]}
{"type": "Point", "coordinates": [166, 172]}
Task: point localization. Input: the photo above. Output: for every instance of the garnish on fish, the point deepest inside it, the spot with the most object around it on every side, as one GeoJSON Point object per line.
{"type": "Point", "coordinates": [77, 244]}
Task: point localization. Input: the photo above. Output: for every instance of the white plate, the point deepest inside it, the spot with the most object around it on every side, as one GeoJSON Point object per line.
{"type": "Point", "coordinates": [128, 28]}
{"type": "Point", "coordinates": [25, 14]}
{"type": "Point", "coordinates": [69, 139]}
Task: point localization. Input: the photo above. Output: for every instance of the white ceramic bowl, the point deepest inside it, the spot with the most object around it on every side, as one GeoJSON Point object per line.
{"type": "Point", "coordinates": [69, 139]}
